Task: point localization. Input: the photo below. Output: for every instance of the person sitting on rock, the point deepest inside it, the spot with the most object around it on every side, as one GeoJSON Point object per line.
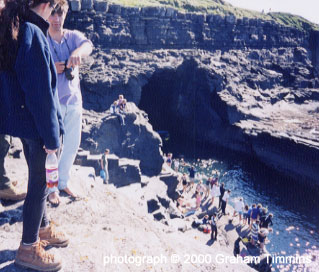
{"type": "Point", "coordinates": [169, 159]}
{"type": "Point", "coordinates": [121, 99]}
{"type": "Point", "coordinates": [185, 206]}
{"type": "Point", "coordinates": [114, 109]}
{"type": "Point", "coordinates": [180, 203]}
{"type": "Point", "coordinates": [104, 166]}
{"type": "Point", "coordinates": [205, 219]}
{"type": "Point", "coordinates": [262, 236]}
{"type": "Point", "coordinates": [122, 106]}
{"type": "Point", "coordinates": [205, 224]}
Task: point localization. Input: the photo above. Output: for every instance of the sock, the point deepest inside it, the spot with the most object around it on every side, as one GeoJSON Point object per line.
{"type": "Point", "coordinates": [29, 244]}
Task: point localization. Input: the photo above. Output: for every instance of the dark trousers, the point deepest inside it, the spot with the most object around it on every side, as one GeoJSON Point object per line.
{"type": "Point", "coordinates": [4, 148]}
{"type": "Point", "coordinates": [34, 209]}
{"type": "Point", "coordinates": [224, 203]}
{"type": "Point", "coordinates": [214, 231]}
{"type": "Point", "coordinates": [220, 201]}
{"type": "Point", "coordinates": [121, 117]}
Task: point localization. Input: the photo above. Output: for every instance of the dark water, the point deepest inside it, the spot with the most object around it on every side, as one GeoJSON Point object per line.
{"type": "Point", "coordinates": [295, 207]}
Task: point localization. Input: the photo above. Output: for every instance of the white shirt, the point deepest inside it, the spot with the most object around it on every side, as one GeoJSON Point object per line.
{"type": "Point", "coordinates": [176, 164]}
{"type": "Point", "coordinates": [215, 190]}
{"type": "Point", "coordinates": [226, 196]}
{"type": "Point", "coordinates": [239, 206]}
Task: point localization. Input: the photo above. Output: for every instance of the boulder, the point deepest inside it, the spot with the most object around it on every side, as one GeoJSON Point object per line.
{"type": "Point", "coordinates": [136, 140]}
{"type": "Point", "coordinates": [122, 172]}
{"type": "Point", "coordinates": [101, 6]}
{"type": "Point", "coordinates": [86, 4]}
{"type": "Point", "coordinates": [127, 172]}
{"type": "Point", "coordinates": [75, 5]}
{"type": "Point", "coordinates": [152, 205]}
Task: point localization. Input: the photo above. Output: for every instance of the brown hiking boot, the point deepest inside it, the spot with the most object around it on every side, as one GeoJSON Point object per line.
{"type": "Point", "coordinates": [12, 194]}
{"type": "Point", "coordinates": [53, 237]}
{"type": "Point", "coordinates": [35, 257]}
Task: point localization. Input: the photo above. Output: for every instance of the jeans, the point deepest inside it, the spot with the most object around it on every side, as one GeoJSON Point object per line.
{"type": "Point", "coordinates": [214, 232]}
{"type": "Point", "coordinates": [220, 201]}
{"type": "Point", "coordinates": [72, 121]}
{"type": "Point", "coordinates": [121, 117]}
{"type": "Point", "coordinates": [106, 179]}
{"type": "Point", "coordinates": [224, 203]}
{"type": "Point", "coordinates": [4, 148]}
{"type": "Point", "coordinates": [34, 208]}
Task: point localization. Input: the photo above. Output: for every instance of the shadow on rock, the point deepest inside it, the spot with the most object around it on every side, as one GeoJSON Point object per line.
{"type": "Point", "coordinates": [11, 216]}
{"type": "Point", "coordinates": [210, 242]}
{"type": "Point", "coordinates": [229, 226]}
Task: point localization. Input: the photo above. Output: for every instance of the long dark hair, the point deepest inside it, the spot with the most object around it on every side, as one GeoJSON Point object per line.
{"type": "Point", "coordinates": [12, 15]}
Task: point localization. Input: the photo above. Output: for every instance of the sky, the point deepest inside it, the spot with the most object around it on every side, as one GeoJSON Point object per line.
{"type": "Point", "coordinates": [308, 9]}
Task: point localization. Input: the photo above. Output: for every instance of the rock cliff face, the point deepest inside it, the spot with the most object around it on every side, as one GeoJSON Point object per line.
{"type": "Point", "coordinates": [245, 84]}
{"type": "Point", "coordinates": [160, 27]}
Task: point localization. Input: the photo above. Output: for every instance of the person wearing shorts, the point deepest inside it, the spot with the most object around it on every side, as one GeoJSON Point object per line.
{"type": "Point", "coordinates": [239, 207]}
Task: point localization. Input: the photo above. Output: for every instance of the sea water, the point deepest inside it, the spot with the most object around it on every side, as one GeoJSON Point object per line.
{"type": "Point", "coordinates": [295, 206]}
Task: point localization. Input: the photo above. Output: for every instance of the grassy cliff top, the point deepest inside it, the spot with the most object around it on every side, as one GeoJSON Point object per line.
{"type": "Point", "coordinates": [222, 8]}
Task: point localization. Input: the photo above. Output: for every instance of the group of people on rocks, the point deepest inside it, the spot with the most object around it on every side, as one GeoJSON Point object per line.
{"type": "Point", "coordinates": [255, 217]}
{"type": "Point", "coordinates": [118, 108]}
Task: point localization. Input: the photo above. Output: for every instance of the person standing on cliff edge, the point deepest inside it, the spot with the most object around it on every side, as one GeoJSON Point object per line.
{"type": "Point", "coordinates": [68, 47]}
{"type": "Point", "coordinates": [29, 109]}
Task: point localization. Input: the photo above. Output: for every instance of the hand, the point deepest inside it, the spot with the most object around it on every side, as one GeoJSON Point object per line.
{"type": "Point", "coordinates": [74, 60]}
{"type": "Point", "coordinates": [60, 67]}
{"type": "Point", "coordinates": [49, 151]}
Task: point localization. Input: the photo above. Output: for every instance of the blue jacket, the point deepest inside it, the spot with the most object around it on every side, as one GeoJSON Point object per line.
{"type": "Point", "coordinates": [29, 104]}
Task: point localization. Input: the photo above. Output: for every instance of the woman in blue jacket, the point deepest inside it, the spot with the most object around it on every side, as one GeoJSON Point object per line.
{"type": "Point", "coordinates": [29, 109]}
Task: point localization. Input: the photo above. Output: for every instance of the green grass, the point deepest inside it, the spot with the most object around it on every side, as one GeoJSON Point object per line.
{"type": "Point", "coordinates": [222, 8]}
